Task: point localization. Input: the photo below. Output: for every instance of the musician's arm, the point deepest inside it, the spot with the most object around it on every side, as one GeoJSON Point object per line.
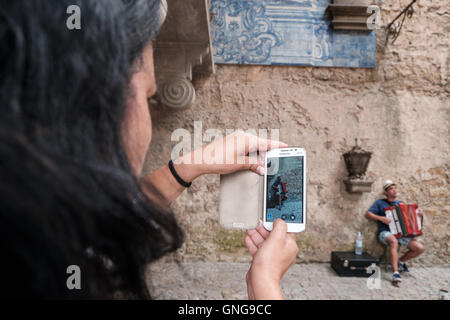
{"type": "Point", "coordinates": [372, 216]}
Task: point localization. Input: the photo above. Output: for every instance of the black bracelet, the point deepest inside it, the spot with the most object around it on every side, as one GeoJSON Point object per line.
{"type": "Point", "coordinates": [175, 174]}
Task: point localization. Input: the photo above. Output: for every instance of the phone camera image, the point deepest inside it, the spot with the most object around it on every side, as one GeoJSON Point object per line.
{"type": "Point", "coordinates": [284, 198]}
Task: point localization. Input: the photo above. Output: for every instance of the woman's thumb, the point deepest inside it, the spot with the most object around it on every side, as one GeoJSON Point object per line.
{"type": "Point", "coordinates": [279, 228]}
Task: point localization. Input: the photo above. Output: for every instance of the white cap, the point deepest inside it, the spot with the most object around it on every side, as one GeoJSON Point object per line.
{"type": "Point", "coordinates": [387, 184]}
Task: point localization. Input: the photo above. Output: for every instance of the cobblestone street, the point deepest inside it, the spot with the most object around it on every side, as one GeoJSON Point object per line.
{"type": "Point", "coordinates": [205, 280]}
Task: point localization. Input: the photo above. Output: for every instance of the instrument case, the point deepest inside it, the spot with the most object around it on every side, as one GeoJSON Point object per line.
{"type": "Point", "coordinates": [348, 264]}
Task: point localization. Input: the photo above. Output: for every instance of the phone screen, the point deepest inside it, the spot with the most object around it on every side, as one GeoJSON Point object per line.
{"type": "Point", "coordinates": [284, 189]}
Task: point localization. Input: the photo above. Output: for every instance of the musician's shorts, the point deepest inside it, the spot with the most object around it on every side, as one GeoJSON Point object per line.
{"type": "Point", "coordinates": [402, 241]}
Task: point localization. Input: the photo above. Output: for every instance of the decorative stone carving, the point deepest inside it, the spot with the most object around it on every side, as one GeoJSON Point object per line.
{"type": "Point", "coordinates": [350, 14]}
{"type": "Point", "coordinates": [177, 93]}
{"type": "Point", "coordinates": [183, 48]}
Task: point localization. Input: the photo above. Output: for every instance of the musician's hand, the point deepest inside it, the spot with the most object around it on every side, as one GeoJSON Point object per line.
{"type": "Point", "coordinates": [385, 220]}
{"type": "Point", "coordinates": [420, 213]}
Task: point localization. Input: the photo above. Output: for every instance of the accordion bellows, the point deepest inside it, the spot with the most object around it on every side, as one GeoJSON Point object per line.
{"type": "Point", "coordinates": [405, 220]}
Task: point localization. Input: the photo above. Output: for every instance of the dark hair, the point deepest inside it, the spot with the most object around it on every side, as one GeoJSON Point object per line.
{"type": "Point", "coordinates": [68, 195]}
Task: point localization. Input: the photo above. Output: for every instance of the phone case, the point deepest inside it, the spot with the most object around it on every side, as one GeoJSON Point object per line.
{"type": "Point", "coordinates": [241, 200]}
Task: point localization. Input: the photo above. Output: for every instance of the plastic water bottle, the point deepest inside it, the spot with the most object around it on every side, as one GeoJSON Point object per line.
{"type": "Point", "coordinates": [358, 247]}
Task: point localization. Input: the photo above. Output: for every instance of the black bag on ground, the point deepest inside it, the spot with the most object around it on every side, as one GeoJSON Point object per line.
{"type": "Point", "coordinates": [348, 264]}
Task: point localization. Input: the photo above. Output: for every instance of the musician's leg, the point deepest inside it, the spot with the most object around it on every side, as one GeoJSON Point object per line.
{"type": "Point", "coordinates": [415, 249]}
{"type": "Point", "coordinates": [393, 251]}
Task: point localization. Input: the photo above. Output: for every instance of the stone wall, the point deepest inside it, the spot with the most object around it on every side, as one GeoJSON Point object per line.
{"type": "Point", "coordinates": [400, 111]}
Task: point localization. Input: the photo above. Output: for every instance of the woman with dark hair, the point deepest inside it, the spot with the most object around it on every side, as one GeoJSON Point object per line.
{"type": "Point", "coordinates": [74, 129]}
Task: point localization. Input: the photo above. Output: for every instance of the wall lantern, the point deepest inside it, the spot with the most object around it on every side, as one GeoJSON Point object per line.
{"type": "Point", "coordinates": [357, 161]}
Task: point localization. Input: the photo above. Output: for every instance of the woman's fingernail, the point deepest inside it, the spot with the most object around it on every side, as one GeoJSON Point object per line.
{"type": "Point", "coordinates": [260, 170]}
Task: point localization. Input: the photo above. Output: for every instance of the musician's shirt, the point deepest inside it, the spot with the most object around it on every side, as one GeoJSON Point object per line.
{"type": "Point", "coordinates": [378, 209]}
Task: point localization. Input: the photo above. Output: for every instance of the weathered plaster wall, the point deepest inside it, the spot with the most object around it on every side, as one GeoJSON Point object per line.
{"type": "Point", "coordinates": [400, 111]}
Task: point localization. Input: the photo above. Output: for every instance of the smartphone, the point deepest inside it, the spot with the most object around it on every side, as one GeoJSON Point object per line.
{"type": "Point", "coordinates": [285, 188]}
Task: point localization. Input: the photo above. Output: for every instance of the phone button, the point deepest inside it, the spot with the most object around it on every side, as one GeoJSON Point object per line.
{"type": "Point", "coordinates": [283, 216]}
{"type": "Point", "coordinates": [292, 217]}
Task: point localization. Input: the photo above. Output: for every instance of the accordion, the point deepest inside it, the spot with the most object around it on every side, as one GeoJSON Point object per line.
{"type": "Point", "coordinates": [405, 220]}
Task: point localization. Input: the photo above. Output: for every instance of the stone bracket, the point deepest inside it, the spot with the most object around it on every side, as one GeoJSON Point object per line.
{"type": "Point", "coordinates": [358, 185]}
{"type": "Point", "coordinates": [349, 15]}
{"type": "Point", "coordinates": [181, 59]}
{"type": "Point", "coordinates": [183, 48]}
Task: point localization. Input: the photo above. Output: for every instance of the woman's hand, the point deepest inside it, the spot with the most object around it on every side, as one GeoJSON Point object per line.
{"type": "Point", "coordinates": [229, 154]}
{"type": "Point", "coordinates": [273, 253]}
{"type": "Point", "coordinates": [226, 155]}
